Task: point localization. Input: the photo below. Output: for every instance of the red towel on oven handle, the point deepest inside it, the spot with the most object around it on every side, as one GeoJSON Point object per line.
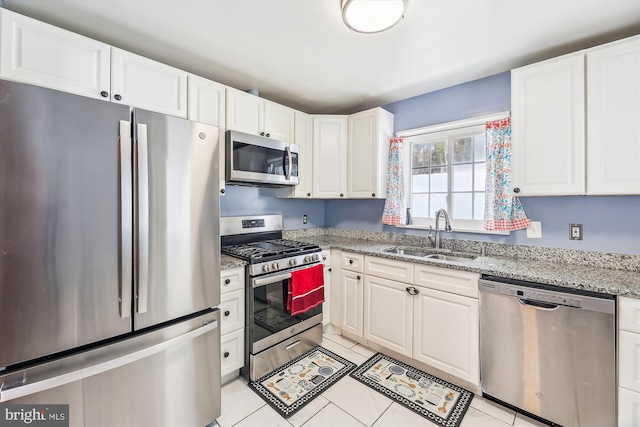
{"type": "Point", "coordinates": [306, 289]}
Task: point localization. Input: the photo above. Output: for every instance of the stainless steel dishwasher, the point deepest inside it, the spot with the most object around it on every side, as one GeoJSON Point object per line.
{"type": "Point", "coordinates": [549, 351]}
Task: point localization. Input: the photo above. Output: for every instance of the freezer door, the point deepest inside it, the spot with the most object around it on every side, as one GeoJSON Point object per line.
{"type": "Point", "coordinates": [177, 237]}
{"type": "Point", "coordinates": [61, 237]}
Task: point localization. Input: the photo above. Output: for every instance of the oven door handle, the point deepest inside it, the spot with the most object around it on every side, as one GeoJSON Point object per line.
{"type": "Point", "coordinates": [263, 281]}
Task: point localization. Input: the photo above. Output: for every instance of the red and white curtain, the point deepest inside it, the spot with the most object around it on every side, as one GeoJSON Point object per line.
{"type": "Point", "coordinates": [395, 210]}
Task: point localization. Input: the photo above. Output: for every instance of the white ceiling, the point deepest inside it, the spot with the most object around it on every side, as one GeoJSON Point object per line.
{"type": "Point", "coordinates": [299, 52]}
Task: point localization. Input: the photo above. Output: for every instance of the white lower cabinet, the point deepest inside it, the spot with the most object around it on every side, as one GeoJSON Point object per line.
{"type": "Point", "coordinates": [629, 362]}
{"type": "Point", "coordinates": [326, 306]}
{"type": "Point", "coordinates": [352, 288]}
{"type": "Point", "coordinates": [231, 319]}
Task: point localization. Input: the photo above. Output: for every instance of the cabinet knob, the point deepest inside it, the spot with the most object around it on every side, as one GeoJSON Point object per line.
{"type": "Point", "coordinates": [358, 277]}
{"type": "Point", "coordinates": [324, 258]}
{"type": "Point", "coordinates": [329, 269]}
{"type": "Point", "coordinates": [412, 290]}
{"type": "Point", "coordinates": [104, 94]}
{"type": "Point", "coordinates": [227, 281]}
{"type": "Point", "coordinates": [226, 354]}
{"type": "Point", "coordinates": [117, 97]}
{"type": "Point", "coordinates": [222, 191]}
{"type": "Point", "coordinates": [261, 133]}
{"type": "Point", "coordinates": [268, 135]}
{"type": "Point", "coordinates": [227, 313]}
{"type": "Point", "coordinates": [350, 261]}
{"type": "Point", "coordinates": [373, 194]}
{"type": "Point", "coordinates": [341, 195]}
{"type": "Point", "coordinates": [516, 190]}
{"type": "Point", "coordinates": [308, 194]}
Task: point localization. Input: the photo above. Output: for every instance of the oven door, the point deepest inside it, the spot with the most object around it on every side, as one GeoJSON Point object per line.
{"type": "Point", "coordinates": [258, 160]}
{"type": "Point", "coordinates": [271, 321]}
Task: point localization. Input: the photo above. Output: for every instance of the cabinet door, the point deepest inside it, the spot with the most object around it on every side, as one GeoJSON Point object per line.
{"type": "Point", "coordinates": [207, 105]}
{"type": "Point", "coordinates": [245, 112]}
{"type": "Point", "coordinates": [335, 300]}
{"type": "Point", "coordinates": [629, 361]}
{"type": "Point", "coordinates": [231, 351]}
{"type": "Point", "coordinates": [304, 141]}
{"type": "Point", "coordinates": [628, 408]}
{"type": "Point", "coordinates": [613, 109]}
{"type": "Point", "coordinates": [141, 82]}
{"type": "Point", "coordinates": [326, 305]}
{"type": "Point", "coordinates": [279, 122]}
{"type": "Point", "coordinates": [352, 295]}
{"type": "Point", "coordinates": [446, 333]}
{"type": "Point", "coordinates": [329, 157]}
{"type": "Point", "coordinates": [368, 149]}
{"type": "Point", "coordinates": [388, 314]}
{"type": "Point", "coordinates": [548, 121]}
{"type": "Point", "coordinates": [43, 55]}
{"type": "Point", "coordinates": [232, 311]}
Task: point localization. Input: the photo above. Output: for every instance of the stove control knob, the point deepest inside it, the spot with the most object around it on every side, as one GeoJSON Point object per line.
{"type": "Point", "coordinates": [306, 259]}
{"type": "Point", "coordinates": [275, 266]}
{"type": "Point", "coordinates": [316, 257]}
{"type": "Point", "coordinates": [292, 262]}
{"type": "Point", "coordinates": [266, 268]}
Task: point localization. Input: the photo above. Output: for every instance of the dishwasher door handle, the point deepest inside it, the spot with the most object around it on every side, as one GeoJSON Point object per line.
{"type": "Point", "coordinates": [538, 305]}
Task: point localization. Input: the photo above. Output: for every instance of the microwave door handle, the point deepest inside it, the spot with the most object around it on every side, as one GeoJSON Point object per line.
{"type": "Point", "coordinates": [264, 281]}
{"type": "Point", "coordinates": [143, 221]}
{"type": "Point", "coordinates": [287, 170]}
{"type": "Point", "coordinates": [126, 219]}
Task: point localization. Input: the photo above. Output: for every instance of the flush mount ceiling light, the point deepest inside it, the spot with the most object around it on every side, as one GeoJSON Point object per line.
{"type": "Point", "coordinates": [372, 16]}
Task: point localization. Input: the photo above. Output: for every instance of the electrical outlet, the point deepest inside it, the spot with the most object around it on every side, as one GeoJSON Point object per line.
{"type": "Point", "coordinates": [534, 231]}
{"type": "Point", "coordinates": [575, 231]}
{"type": "Point", "coordinates": [304, 219]}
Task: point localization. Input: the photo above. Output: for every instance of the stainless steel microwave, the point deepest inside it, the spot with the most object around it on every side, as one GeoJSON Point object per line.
{"type": "Point", "coordinates": [260, 161]}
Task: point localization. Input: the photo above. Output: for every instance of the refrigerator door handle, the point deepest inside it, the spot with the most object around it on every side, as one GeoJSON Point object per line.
{"type": "Point", "coordinates": [142, 286]}
{"type": "Point", "coordinates": [126, 218]}
{"type": "Point", "coordinates": [16, 389]}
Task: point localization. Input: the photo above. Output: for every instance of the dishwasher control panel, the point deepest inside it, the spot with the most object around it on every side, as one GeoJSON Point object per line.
{"type": "Point", "coordinates": [541, 296]}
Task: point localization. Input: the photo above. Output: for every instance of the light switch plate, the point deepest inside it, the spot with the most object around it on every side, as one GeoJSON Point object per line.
{"type": "Point", "coordinates": [534, 231]}
{"type": "Point", "coordinates": [575, 231]}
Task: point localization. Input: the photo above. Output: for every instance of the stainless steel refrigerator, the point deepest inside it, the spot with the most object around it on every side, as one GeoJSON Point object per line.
{"type": "Point", "coordinates": [109, 260]}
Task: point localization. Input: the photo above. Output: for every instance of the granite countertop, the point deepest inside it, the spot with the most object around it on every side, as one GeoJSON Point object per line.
{"type": "Point", "coordinates": [595, 279]}
{"type": "Point", "coordinates": [227, 262]}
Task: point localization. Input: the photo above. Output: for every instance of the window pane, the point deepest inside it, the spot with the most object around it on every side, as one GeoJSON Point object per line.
{"type": "Point", "coordinates": [439, 153]}
{"type": "Point", "coordinates": [438, 201]}
{"type": "Point", "coordinates": [420, 155]}
{"type": "Point", "coordinates": [439, 178]}
{"type": "Point", "coordinates": [420, 180]}
{"type": "Point", "coordinates": [480, 176]}
{"type": "Point", "coordinates": [463, 150]}
{"type": "Point", "coordinates": [462, 177]}
{"type": "Point", "coordinates": [478, 206]}
{"type": "Point", "coordinates": [462, 206]}
{"type": "Point", "coordinates": [479, 148]}
{"type": "Point", "coordinates": [420, 205]}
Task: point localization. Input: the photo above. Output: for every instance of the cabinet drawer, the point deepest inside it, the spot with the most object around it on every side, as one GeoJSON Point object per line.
{"type": "Point", "coordinates": [232, 351]}
{"type": "Point", "coordinates": [629, 309]}
{"type": "Point", "coordinates": [452, 281]}
{"type": "Point", "coordinates": [628, 408]}
{"type": "Point", "coordinates": [352, 262]}
{"type": "Point", "coordinates": [231, 280]}
{"type": "Point", "coordinates": [326, 258]}
{"type": "Point", "coordinates": [231, 311]}
{"type": "Point", "coordinates": [629, 363]}
{"type": "Point", "coordinates": [389, 269]}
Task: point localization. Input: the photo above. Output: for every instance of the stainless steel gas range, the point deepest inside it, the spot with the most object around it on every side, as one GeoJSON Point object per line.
{"type": "Point", "coordinates": [272, 335]}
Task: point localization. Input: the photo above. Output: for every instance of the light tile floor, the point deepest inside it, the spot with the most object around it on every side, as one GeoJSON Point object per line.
{"type": "Point", "coordinates": [350, 403]}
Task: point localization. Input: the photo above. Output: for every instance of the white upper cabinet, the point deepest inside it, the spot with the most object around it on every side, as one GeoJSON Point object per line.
{"type": "Point", "coordinates": [207, 105]}
{"type": "Point", "coordinates": [304, 141]}
{"type": "Point", "coordinates": [40, 54]}
{"type": "Point", "coordinates": [368, 149]}
{"type": "Point", "coordinates": [141, 82]}
{"type": "Point", "coordinates": [329, 156]}
{"type": "Point", "coordinates": [548, 122]}
{"type": "Point", "coordinates": [613, 112]}
{"type": "Point", "coordinates": [252, 114]}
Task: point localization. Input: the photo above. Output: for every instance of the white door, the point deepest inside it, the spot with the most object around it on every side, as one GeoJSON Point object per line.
{"type": "Point", "coordinates": [207, 105]}
{"type": "Point", "coordinates": [43, 55]}
{"type": "Point", "coordinates": [628, 408]}
{"type": "Point", "coordinates": [446, 333]}
{"type": "Point", "coordinates": [388, 314]}
{"type": "Point", "coordinates": [140, 82]}
{"type": "Point", "coordinates": [613, 111]}
{"type": "Point", "coordinates": [304, 141]}
{"type": "Point", "coordinates": [351, 284]}
{"type": "Point", "coordinates": [279, 122]}
{"type": "Point", "coordinates": [548, 122]}
{"type": "Point", "coordinates": [326, 306]}
{"type": "Point", "coordinates": [245, 112]}
{"type": "Point", "coordinates": [329, 157]}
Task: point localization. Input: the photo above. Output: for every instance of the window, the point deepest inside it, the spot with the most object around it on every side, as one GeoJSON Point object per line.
{"type": "Point", "coordinates": [447, 171]}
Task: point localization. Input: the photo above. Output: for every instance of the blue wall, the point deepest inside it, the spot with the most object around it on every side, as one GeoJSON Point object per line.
{"type": "Point", "coordinates": [610, 224]}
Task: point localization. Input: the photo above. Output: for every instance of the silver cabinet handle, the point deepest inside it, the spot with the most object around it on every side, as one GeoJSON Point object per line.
{"type": "Point", "coordinates": [293, 344]}
{"type": "Point", "coordinates": [126, 219]}
{"type": "Point", "coordinates": [411, 290]}
{"type": "Point", "coordinates": [142, 287]}
{"type": "Point", "coordinates": [272, 279]}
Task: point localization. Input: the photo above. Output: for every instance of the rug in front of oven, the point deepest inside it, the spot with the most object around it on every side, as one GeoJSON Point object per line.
{"type": "Point", "coordinates": [290, 387]}
{"type": "Point", "coordinates": [437, 400]}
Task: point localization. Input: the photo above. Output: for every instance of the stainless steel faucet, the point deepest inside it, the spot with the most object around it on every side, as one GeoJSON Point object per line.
{"type": "Point", "coordinates": [447, 227]}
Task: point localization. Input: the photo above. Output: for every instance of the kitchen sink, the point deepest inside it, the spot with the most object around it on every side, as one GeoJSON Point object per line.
{"type": "Point", "coordinates": [410, 252]}
{"type": "Point", "coordinates": [431, 255]}
{"type": "Point", "coordinates": [453, 258]}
